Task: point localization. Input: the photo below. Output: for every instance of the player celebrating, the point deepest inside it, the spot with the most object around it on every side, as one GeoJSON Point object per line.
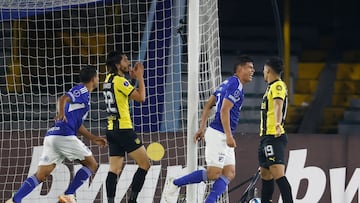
{"type": "Point", "coordinates": [273, 137]}
{"type": "Point", "coordinates": [61, 142]}
{"type": "Point", "coordinates": [219, 151]}
{"type": "Point", "coordinates": [120, 134]}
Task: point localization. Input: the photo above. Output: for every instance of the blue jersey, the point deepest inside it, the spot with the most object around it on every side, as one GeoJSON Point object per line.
{"type": "Point", "coordinates": [232, 90]}
{"type": "Point", "coordinates": [75, 112]}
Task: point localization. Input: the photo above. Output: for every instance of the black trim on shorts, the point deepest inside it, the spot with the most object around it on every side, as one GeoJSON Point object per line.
{"type": "Point", "coordinates": [122, 141]}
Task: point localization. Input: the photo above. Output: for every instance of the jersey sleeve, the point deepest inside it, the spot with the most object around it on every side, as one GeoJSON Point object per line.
{"type": "Point", "coordinates": [278, 90]}
{"type": "Point", "coordinates": [78, 94]}
{"type": "Point", "coordinates": [233, 91]}
{"type": "Point", "coordinates": [124, 86]}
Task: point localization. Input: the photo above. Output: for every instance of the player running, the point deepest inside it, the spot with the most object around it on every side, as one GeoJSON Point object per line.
{"type": "Point", "coordinates": [61, 142]}
{"type": "Point", "coordinates": [273, 137]}
{"type": "Point", "coordinates": [120, 133]}
{"type": "Point", "coordinates": [220, 144]}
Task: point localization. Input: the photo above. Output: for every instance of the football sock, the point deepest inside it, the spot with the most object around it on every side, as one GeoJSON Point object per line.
{"type": "Point", "coordinates": [285, 189]}
{"type": "Point", "coordinates": [194, 177]}
{"type": "Point", "coordinates": [218, 188]}
{"type": "Point", "coordinates": [80, 177]}
{"type": "Point", "coordinates": [267, 190]}
{"type": "Point", "coordinates": [29, 184]}
{"type": "Point", "coordinates": [137, 184]}
{"type": "Point", "coordinates": [111, 182]}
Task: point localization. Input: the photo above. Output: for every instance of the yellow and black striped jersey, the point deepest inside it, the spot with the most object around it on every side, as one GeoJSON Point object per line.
{"type": "Point", "coordinates": [275, 90]}
{"type": "Point", "coordinates": [117, 90]}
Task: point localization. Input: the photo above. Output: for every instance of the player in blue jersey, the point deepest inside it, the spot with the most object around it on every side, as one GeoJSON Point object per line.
{"type": "Point", "coordinates": [220, 144]}
{"type": "Point", "coordinates": [61, 142]}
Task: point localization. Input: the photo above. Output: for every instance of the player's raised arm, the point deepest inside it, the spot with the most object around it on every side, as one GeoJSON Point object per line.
{"type": "Point", "coordinates": [204, 117]}
{"type": "Point", "coordinates": [61, 103]}
{"type": "Point", "coordinates": [138, 74]}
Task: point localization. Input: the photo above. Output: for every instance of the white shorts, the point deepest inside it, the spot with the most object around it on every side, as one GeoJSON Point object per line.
{"type": "Point", "coordinates": [57, 148]}
{"type": "Point", "coordinates": [217, 153]}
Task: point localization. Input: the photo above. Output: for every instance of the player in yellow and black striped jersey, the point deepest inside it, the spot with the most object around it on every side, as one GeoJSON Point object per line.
{"type": "Point", "coordinates": [272, 132]}
{"type": "Point", "coordinates": [120, 133]}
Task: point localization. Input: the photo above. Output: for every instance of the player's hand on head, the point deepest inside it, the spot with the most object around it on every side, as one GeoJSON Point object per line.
{"type": "Point", "coordinates": [230, 141]}
{"type": "Point", "coordinates": [199, 135]}
{"type": "Point", "coordinates": [60, 117]}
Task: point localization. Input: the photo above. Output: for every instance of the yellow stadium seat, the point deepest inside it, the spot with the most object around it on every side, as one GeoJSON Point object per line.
{"type": "Point", "coordinates": [348, 71]}
{"type": "Point", "coordinates": [310, 70]}
{"type": "Point", "coordinates": [305, 86]}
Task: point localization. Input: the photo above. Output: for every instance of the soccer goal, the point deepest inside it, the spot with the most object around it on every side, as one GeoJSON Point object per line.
{"type": "Point", "coordinates": [43, 45]}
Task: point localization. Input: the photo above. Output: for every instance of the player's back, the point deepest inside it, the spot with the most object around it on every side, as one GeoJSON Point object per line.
{"type": "Point", "coordinates": [75, 112]}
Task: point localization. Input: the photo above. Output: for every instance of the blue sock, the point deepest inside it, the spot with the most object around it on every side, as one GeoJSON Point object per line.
{"type": "Point", "coordinates": [194, 177]}
{"type": "Point", "coordinates": [218, 188]}
{"type": "Point", "coordinates": [29, 184]}
{"type": "Point", "coordinates": [80, 177]}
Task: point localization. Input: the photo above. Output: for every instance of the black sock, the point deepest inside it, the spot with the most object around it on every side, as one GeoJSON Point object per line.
{"type": "Point", "coordinates": [111, 181]}
{"type": "Point", "coordinates": [267, 190]}
{"type": "Point", "coordinates": [137, 184]}
{"type": "Point", "coordinates": [285, 189]}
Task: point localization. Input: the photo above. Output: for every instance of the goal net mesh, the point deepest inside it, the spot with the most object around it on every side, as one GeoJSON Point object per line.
{"type": "Point", "coordinates": [43, 45]}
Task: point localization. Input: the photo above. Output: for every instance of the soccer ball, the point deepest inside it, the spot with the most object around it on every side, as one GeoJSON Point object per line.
{"type": "Point", "coordinates": [255, 200]}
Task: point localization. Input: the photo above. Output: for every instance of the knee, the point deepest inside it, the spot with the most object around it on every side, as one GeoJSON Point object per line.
{"type": "Point", "coordinates": [213, 174]}
{"type": "Point", "coordinates": [266, 175]}
{"type": "Point", "coordinates": [230, 175]}
{"type": "Point", "coordinates": [145, 165]}
{"type": "Point", "coordinates": [93, 166]}
{"type": "Point", "coordinates": [41, 177]}
{"type": "Point", "coordinates": [115, 169]}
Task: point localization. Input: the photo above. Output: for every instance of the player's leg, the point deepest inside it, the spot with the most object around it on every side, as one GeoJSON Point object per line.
{"type": "Point", "coordinates": [137, 152]}
{"type": "Point", "coordinates": [277, 169]}
{"type": "Point", "coordinates": [31, 182]}
{"type": "Point", "coordinates": [116, 163]}
{"type": "Point", "coordinates": [47, 163]}
{"type": "Point", "coordinates": [74, 149]}
{"type": "Point", "coordinates": [267, 181]}
{"type": "Point", "coordinates": [89, 166]}
{"type": "Point", "coordinates": [116, 158]}
{"type": "Point", "coordinates": [223, 180]}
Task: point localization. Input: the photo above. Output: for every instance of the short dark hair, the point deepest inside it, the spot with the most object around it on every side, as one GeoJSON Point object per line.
{"type": "Point", "coordinates": [275, 63]}
{"type": "Point", "coordinates": [87, 73]}
{"type": "Point", "coordinates": [242, 60]}
{"type": "Point", "coordinates": [114, 58]}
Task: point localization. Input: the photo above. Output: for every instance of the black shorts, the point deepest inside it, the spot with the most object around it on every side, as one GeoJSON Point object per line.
{"type": "Point", "coordinates": [121, 141]}
{"type": "Point", "coordinates": [272, 150]}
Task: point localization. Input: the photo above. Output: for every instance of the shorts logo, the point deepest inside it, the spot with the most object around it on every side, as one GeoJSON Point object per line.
{"type": "Point", "coordinates": [137, 141]}
{"type": "Point", "coordinates": [221, 158]}
{"type": "Point", "coordinates": [45, 158]}
{"type": "Point", "coordinates": [126, 83]}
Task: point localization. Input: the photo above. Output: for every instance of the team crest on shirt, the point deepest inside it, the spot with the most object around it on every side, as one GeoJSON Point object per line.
{"type": "Point", "coordinates": [137, 141]}
{"type": "Point", "coordinates": [237, 94]}
{"type": "Point", "coordinates": [278, 87]}
{"type": "Point", "coordinates": [126, 83]}
{"type": "Point", "coordinates": [77, 93]}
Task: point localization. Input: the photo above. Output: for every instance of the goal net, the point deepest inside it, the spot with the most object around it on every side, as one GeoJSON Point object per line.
{"type": "Point", "coordinates": [43, 45]}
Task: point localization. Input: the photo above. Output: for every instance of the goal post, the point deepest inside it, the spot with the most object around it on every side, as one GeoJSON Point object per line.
{"type": "Point", "coordinates": [193, 93]}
